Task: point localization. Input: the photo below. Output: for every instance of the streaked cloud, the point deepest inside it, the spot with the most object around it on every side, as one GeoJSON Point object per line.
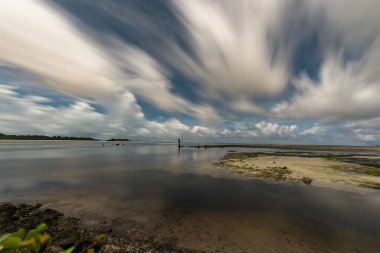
{"type": "Point", "coordinates": [205, 69]}
{"type": "Point", "coordinates": [348, 83]}
{"type": "Point", "coordinates": [25, 113]}
{"type": "Point", "coordinates": [41, 38]}
{"type": "Point", "coordinates": [233, 53]}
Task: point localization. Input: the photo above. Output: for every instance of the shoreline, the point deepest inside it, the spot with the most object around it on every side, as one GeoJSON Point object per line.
{"type": "Point", "coordinates": [306, 147]}
{"type": "Point", "coordinates": [67, 231]}
{"type": "Point", "coordinates": [312, 168]}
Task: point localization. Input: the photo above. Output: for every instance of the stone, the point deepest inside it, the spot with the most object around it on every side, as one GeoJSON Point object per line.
{"type": "Point", "coordinates": [307, 180]}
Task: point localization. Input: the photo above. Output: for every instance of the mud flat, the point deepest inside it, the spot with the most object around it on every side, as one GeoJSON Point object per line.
{"type": "Point", "coordinates": [306, 169]}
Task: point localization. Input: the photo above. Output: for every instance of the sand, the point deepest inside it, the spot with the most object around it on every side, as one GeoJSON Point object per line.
{"type": "Point", "coordinates": [319, 170]}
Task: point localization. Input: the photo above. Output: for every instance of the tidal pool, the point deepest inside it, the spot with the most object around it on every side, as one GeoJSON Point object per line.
{"type": "Point", "coordinates": [154, 191]}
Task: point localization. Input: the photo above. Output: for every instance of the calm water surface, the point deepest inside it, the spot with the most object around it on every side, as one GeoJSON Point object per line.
{"type": "Point", "coordinates": [153, 191]}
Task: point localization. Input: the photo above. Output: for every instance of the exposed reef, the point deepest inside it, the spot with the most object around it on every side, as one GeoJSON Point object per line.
{"type": "Point", "coordinates": [322, 168]}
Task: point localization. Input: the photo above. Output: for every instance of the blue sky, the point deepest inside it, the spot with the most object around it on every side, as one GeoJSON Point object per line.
{"type": "Point", "coordinates": [297, 71]}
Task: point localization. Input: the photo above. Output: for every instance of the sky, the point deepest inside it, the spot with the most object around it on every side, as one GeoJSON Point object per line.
{"type": "Point", "coordinates": [295, 71]}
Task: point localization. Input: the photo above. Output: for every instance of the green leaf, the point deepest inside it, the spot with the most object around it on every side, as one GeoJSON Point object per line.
{"type": "Point", "coordinates": [36, 245]}
{"type": "Point", "coordinates": [41, 228]}
{"type": "Point", "coordinates": [19, 233]}
{"type": "Point", "coordinates": [44, 238]}
{"type": "Point", "coordinates": [25, 250]}
{"type": "Point", "coordinates": [69, 250]}
{"type": "Point", "coordinates": [11, 242]}
{"type": "Point", "coordinates": [31, 234]}
{"type": "Point", "coordinates": [4, 237]}
{"type": "Point", "coordinates": [100, 237]}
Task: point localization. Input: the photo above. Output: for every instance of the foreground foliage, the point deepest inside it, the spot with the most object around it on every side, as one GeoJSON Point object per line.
{"type": "Point", "coordinates": [23, 241]}
{"type": "Point", "coordinates": [34, 240]}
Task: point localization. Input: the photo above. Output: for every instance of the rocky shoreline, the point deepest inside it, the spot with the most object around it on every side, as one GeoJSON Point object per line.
{"type": "Point", "coordinates": [67, 232]}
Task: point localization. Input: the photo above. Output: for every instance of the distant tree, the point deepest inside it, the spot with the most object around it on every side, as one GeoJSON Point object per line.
{"type": "Point", "coordinates": [118, 139]}
{"type": "Point", "coordinates": [42, 137]}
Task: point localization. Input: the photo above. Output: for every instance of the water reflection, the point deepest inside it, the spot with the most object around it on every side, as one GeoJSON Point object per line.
{"type": "Point", "coordinates": [147, 191]}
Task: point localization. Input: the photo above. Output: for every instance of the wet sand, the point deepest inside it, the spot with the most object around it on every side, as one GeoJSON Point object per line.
{"type": "Point", "coordinates": [320, 170]}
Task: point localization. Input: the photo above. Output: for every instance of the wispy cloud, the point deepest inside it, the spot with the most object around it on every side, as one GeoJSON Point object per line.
{"type": "Point", "coordinates": [348, 84]}
{"type": "Point", "coordinates": [239, 59]}
{"type": "Point", "coordinates": [28, 115]}
{"type": "Point", "coordinates": [42, 39]}
{"type": "Point", "coordinates": [232, 51]}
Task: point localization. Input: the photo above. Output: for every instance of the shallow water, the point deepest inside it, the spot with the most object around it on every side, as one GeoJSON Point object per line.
{"type": "Point", "coordinates": [153, 191]}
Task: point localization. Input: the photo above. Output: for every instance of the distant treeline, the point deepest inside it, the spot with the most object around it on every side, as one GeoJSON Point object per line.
{"type": "Point", "coordinates": [43, 137]}
{"type": "Point", "coordinates": [113, 139]}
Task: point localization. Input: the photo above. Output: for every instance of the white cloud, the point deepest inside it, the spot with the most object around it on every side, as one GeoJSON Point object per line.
{"type": "Point", "coordinates": [234, 52]}
{"type": "Point", "coordinates": [230, 132]}
{"type": "Point", "coordinates": [274, 129]}
{"type": "Point", "coordinates": [171, 127]}
{"type": "Point", "coordinates": [149, 80]}
{"type": "Point", "coordinates": [246, 106]}
{"type": "Point", "coordinates": [23, 114]}
{"type": "Point", "coordinates": [244, 49]}
{"type": "Point", "coordinates": [356, 23]}
{"type": "Point", "coordinates": [203, 131]}
{"type": "Point", "coordinates": [238, 53]}
{"type": "Point", "coordinates": [348, 86]}
{"type": "Point", "coordinates": [344, 91]}
{"type": "Point", "coordinates": [364, 130]}
{"type": "Point", "coordinates": [248, 130]}
{"type": "Point", "coordinates": [312, 131]}
{"type": "Point", "coordinates": [40, 39]}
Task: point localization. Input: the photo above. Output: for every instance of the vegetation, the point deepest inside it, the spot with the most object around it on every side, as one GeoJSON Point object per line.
{"type": "Point", "coordinates": [113, 139]}
{"type": "Point", "coordinates": [366, 170]}
{"type": "Point", "coordinates": [24, 242]}
{"type": "Point", "coordinates": [34, 240]}
{"type": "Point", "coordinates": [43, 137]}
{"type": "Point", "coordinates": [277, 173]}
{"type": "Point", "coordinates": [371, 185]}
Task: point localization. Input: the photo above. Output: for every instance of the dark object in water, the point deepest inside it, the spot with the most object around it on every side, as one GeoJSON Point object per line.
{"type": "Point", "coordinates": [307, 180]}
{"type": "Point", "coordinates": [190, 146]}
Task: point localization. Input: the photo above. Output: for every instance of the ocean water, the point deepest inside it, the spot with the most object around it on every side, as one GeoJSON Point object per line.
{"type": "Point", "coordinates": [155, 191]}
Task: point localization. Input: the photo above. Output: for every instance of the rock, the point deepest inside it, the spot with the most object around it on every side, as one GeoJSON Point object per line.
{"type": "Point", "coordinates": [307, 180]}
{"type": "Point", "coordinates": [66, 232]}
{"type": "Point", "coordinates": [66, 238]}
{"type": "Point", "coordinates": [53, 249]}
{"type": "Point", "coordinates": [21, 206]}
